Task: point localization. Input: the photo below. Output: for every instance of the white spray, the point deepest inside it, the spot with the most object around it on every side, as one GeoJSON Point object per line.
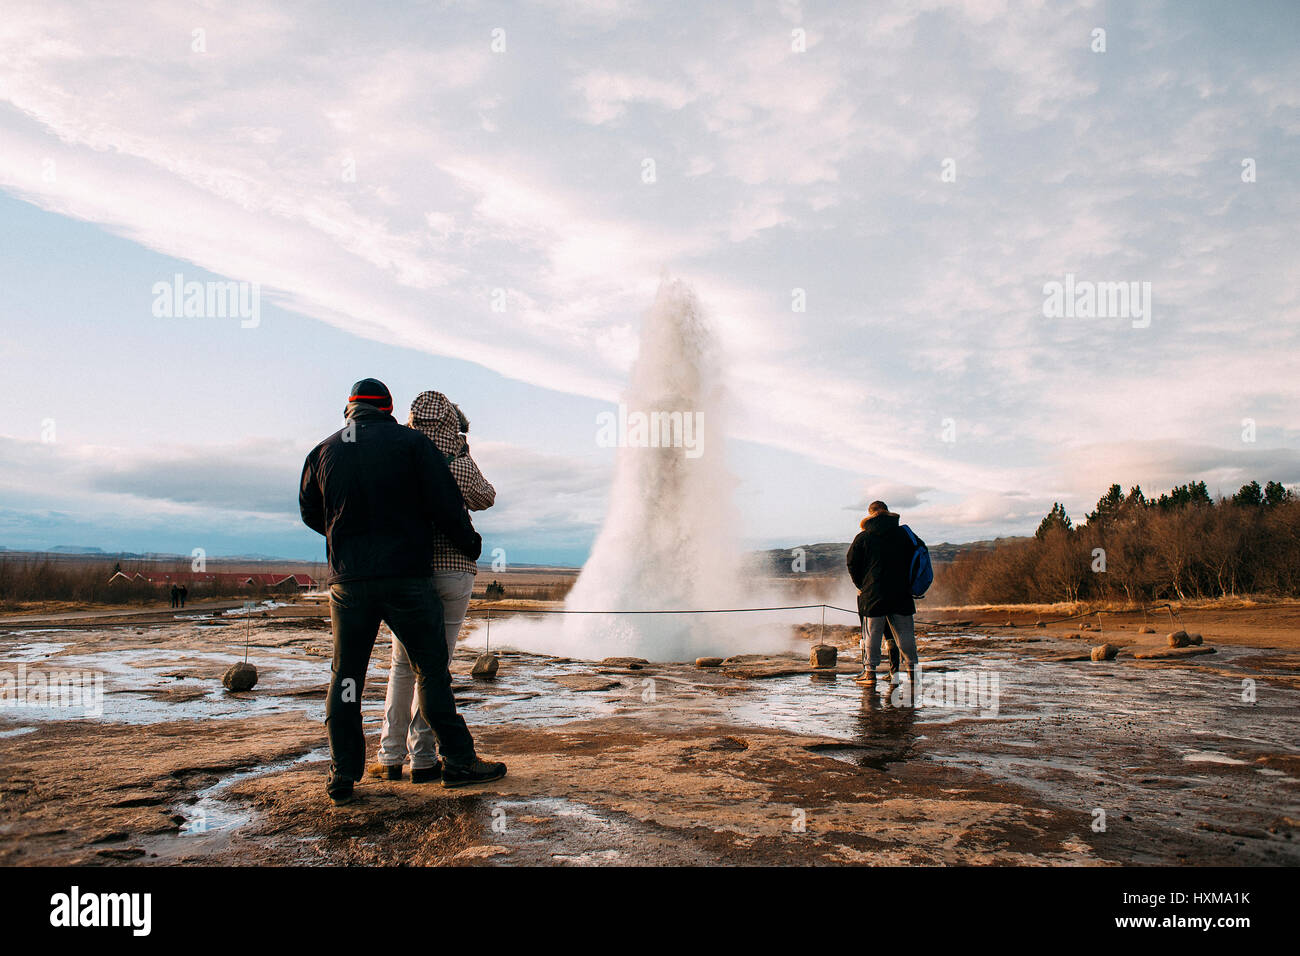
{"type": "Point", "coordinates": [670, 539]}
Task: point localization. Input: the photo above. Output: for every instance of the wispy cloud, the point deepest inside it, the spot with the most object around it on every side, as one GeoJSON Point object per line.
{"type": "Point", "coordinates": [398, 179]}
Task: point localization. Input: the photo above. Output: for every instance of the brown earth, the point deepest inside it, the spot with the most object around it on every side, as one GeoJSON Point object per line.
{"type": "Point", "coordinates": [727, 767]}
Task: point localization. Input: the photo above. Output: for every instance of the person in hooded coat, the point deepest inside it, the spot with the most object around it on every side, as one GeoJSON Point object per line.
{"type": "Point", "coordinates": [405, 731]}
{"type": "Point", "coordinates": [879, 562]}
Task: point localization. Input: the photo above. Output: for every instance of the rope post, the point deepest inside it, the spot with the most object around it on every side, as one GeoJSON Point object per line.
{"type": "Point", "coordinates": [487, 637]}
{"type": "Point", "coordinates": [1101, 625]}
{"type": "Point", "coordinates": [822, 638]}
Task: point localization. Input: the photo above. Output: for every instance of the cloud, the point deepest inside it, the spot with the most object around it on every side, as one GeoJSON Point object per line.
{"type": "Point", "coordinates": [399, 185]}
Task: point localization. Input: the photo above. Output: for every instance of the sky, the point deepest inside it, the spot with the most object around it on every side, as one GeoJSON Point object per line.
{"type": "Point", "coordinates": [869, 200]}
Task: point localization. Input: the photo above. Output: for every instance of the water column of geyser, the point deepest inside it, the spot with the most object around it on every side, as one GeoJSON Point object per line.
{"type": "Point", "coordinates": [670, 536]}
{"type": "Point", "coordinates": [670, 539]}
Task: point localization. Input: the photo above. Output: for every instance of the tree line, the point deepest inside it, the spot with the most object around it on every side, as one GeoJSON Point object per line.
{"type": "Point", "coordinates": [1133, 550]}
{"type": "Point", "coordinates": [27, 579]}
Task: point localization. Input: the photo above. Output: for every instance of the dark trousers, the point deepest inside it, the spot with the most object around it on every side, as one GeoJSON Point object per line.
{"type": "Point", "coordinates": [412, 610]}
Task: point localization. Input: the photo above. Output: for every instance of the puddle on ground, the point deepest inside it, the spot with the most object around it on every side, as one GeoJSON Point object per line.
{"type": "Point", "coordinates": [1138, 739]}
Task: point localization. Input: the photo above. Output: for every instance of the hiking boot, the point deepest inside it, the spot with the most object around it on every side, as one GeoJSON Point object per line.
{"type": "Point", "coordinates": [867, 678]}
{"type": "Point", "coordinates": [385, 771]}
{"type": "Point", "coordinates": [477, 771]}
{"type": "Point", "coordinates": [426, 774]}
{"type": "Point", "coordinates": [340, 791]}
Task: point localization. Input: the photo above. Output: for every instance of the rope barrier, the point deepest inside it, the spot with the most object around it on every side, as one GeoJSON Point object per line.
{"type": "Point", "coordinates": [796, 607]}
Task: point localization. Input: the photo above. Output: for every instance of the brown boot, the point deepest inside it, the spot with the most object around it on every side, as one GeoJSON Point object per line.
{"type": "Point", "coordinates": [385, 771]}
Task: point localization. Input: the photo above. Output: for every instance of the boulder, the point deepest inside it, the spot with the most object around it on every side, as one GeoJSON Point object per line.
{"type": "Point", "coordinates": [1104, 652]}
{"type": "Point", "coordinates": [1196, 639]}
{"type": "Point", "coordinates": [1179, 639]}
{"type": "Point", "coordinates": [485, 666]}
{"type": "Point", "coordinates": [708, 662]}
{"type": "Point", "coordinates": [823, 655]}
{"type": "Point", "coordinates": [241, 676]}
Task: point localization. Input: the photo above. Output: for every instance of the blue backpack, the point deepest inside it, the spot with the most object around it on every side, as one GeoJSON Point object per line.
{"type": "Point", "coordinates": [922, 572]}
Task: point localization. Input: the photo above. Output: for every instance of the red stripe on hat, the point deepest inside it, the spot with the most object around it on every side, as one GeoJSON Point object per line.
{"type": "Point", "coordinates": [362, 398]}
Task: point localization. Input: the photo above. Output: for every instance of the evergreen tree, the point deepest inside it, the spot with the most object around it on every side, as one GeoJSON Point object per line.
{"type": "Point", "coordinates": [1250, 496]}
{"type": "Point", "coordinates": [1275, 493]}
{"type": "Point", "coordinates": [1108, 507]}
{"type": "Point", "coordinates": [1056, 520]}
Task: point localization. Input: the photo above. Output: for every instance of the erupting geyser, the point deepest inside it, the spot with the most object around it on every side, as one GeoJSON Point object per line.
{"type": "Point", "coordinates": [670, 536]}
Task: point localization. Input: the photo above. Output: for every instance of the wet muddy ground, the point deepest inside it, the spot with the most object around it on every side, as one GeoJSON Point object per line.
{"type": "Point", "coordinates": [1014, 751]}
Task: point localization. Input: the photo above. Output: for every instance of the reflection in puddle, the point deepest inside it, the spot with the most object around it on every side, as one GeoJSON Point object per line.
{"type": "Point", "coordinates": [1153, 740]}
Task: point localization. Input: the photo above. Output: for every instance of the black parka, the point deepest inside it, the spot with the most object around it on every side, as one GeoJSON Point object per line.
{"type": "Point", "coordinates": [376, 490]}
{"type": "Point", "coordinates": [880, 564]}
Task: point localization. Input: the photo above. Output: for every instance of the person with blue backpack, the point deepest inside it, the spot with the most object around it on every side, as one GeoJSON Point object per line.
{"type": "Point", "coordinates": [890, 567]}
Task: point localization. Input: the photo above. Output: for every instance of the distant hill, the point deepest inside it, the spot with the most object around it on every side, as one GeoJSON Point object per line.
{"type": "Point", "coordinates": [74, 549]}
{"type": "Point", "coordinates": [828, 557]}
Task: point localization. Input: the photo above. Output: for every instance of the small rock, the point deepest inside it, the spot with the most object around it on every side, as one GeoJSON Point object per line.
{"type": "Point", "coordinates": [1179, 639]}
{"type": "Point", "coordinates": [1104, 652]}
{"type": "Point", "coordinates": [1073, 636]}
{"type": "Point", "coordinates": [485, 666]}
{"type": "Point", "coordinates": [241, 676]}
{"type": "Point", "coordinates": [708, 662]}
{"type": "Point", "coordinates": [631, 663]}
{"type": "Point", "coordinates": [823, 655]}
{"type": "Point", "coordinates": [1196, 639]}
{"type": "Point", "coordinates": [1146, 629]}
{"type": "Point", "coordinates": [1040, 624]}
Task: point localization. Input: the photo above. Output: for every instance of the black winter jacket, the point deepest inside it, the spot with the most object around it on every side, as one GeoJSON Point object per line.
{"type": "Point", "coordinates": [880, 564]}
{"type": "Point", "coordinates": [377, 499]}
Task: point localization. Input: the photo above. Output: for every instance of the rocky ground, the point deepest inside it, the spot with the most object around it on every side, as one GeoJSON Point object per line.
{"type": "Point", "coordinates": [1019, 749]}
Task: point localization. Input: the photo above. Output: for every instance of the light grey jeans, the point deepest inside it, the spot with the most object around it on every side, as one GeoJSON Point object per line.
{"type": "Point", "coordinates": [900, 626]}
{"type": "Point", "coordinates": [404, 728]}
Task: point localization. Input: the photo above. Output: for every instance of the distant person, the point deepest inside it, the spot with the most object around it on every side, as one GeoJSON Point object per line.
{"type": "Point", "coordinates": [176, 596]}
{"type": "Point", "coordinates": [377, 490]}
{"type": "Point", "coordinates": [184, 594]}
{"type": "Point", "coordinates": [879, 562]}
{"type": "Point", "coordinates": [433, 414]}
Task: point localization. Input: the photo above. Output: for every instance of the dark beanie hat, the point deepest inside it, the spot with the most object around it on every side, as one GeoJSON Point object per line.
{"type": "Point", "coordinates": [372, 392]}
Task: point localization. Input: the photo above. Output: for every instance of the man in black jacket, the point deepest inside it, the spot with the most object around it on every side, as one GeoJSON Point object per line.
{"type": "Point", "coordinates": [377, 490]}
{"type": "Point", "coordinates": [880, 564]}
